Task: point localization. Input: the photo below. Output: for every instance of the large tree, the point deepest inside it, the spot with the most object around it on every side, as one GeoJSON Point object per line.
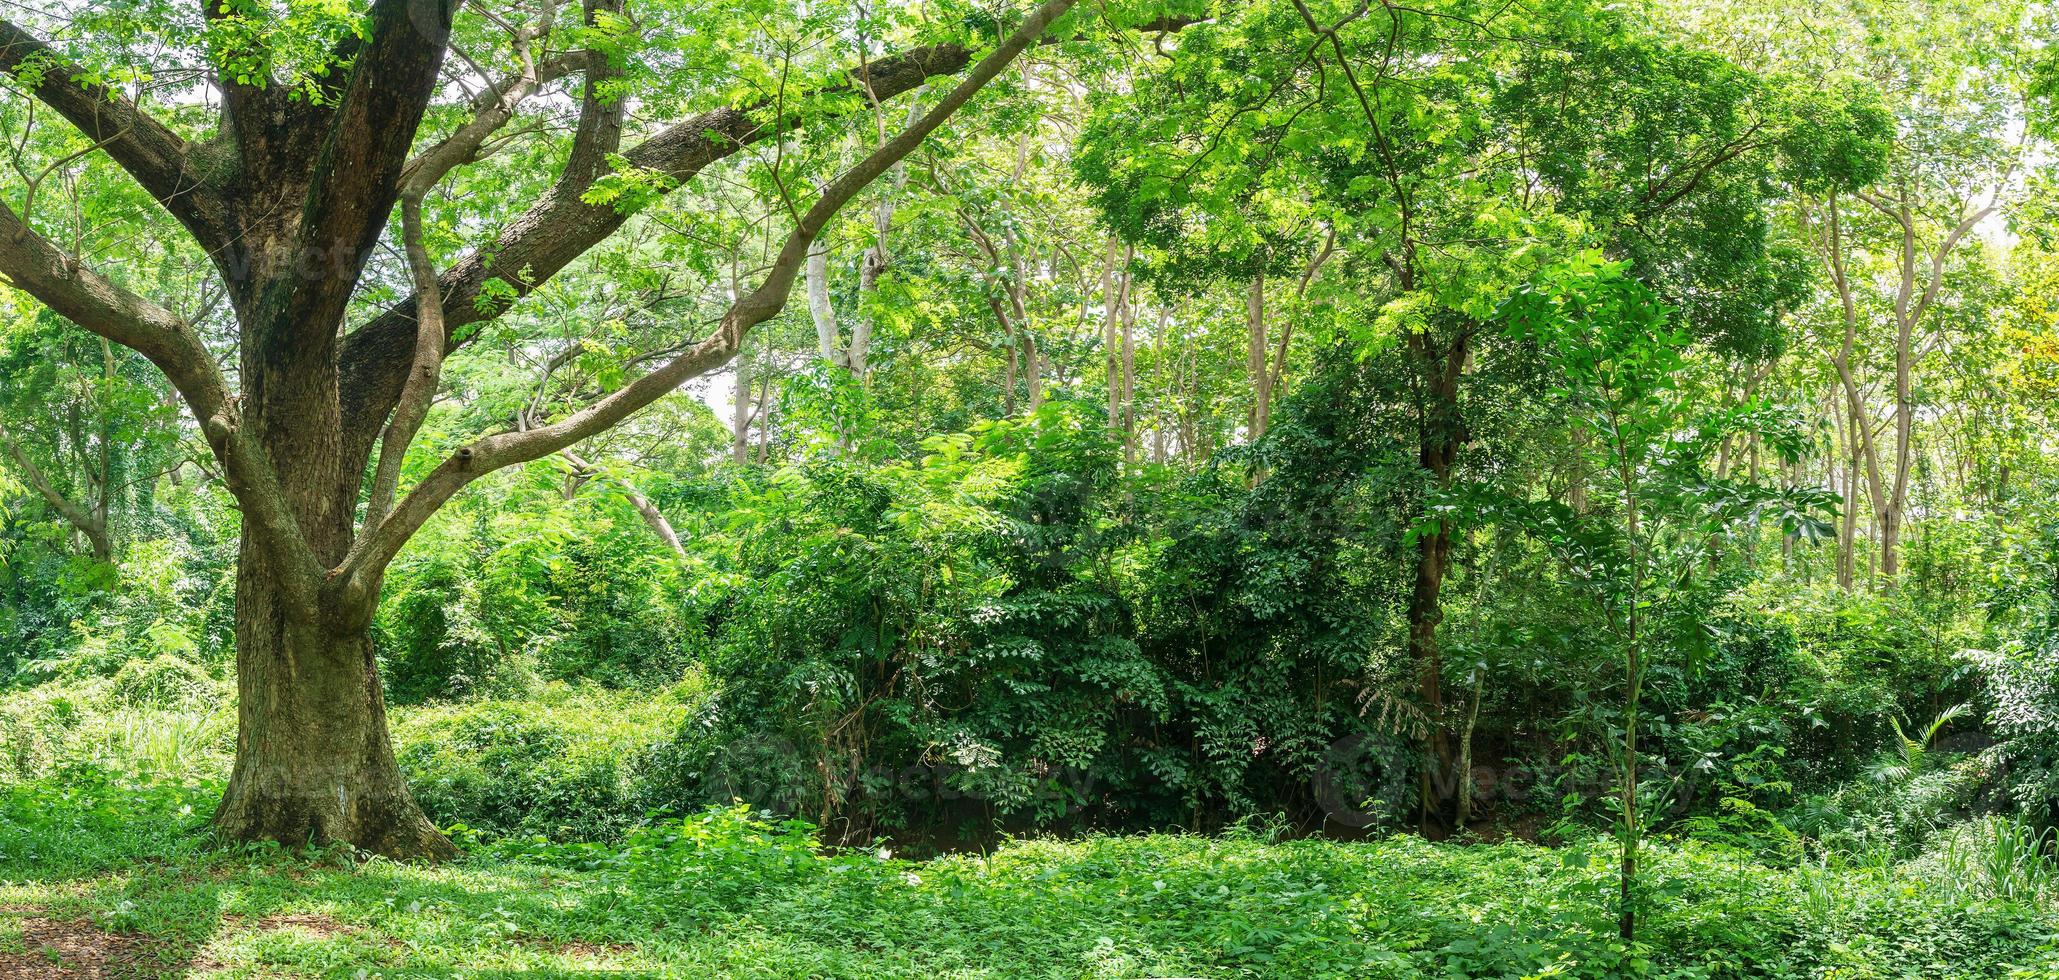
{"type": "Point", "coordinates": [1448, 182]}
{"type": "Point", "coordinates": [307, 136]}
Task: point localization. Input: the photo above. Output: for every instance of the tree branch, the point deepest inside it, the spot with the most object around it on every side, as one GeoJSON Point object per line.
{"type": "Point", "coordinates": [372, 551]}
{"type": "Point", "coordinates": [151, 153]}
{"type": "Point", "coordinates": [1937, 260]}
{"type": "Point", "coordinates": [422, 380]}
{"type": "Point", "coordinates": [356, 176]}
{"type": "Point", "coordinates": [93, 528]}
{"type": "Point", "coordinates": [61, 282]}
{"type": "Point", "coordinates": [600, 116]}
{"type": "Point", "coordinates": [561, 227]}
{"type": "Point", "coordinates": [492, 111]}
{"type": "Point", "coordinates": [652, 516]}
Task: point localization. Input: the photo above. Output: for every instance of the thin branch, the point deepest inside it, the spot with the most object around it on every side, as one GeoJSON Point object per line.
{"type": "Point", "coordinates": [144, 147]}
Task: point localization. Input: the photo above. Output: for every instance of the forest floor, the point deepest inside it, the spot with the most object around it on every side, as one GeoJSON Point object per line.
{"type": "Point", "coordinates": [104, 878]}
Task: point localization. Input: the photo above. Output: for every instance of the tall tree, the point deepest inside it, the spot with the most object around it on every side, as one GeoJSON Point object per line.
{"type": "Point", "coordinates": [288, 190]}
{"type": "Point", "coordinates": [1448, 182]}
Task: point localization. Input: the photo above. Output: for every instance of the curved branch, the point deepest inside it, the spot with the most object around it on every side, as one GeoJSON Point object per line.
{"type": "Point", "coordinates": [561, 227]}
{"type": "Point", "coordinates": [92, 526]}
{"type": "Point", "coordinates": [372, 551]}
{"type": "Point", "coordinates": [492, 111]}
{"type": "Point", "coordinates": [65, 285]}
{"type": "Point", "coordinates": [422, 379]}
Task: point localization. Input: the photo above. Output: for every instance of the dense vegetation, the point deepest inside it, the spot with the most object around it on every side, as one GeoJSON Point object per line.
{"type": "Point", "coordinates": [1266, 489]}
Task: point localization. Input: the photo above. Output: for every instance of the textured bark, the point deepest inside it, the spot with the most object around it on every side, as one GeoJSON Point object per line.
{"type": "Point", "coordinates": [313, 761]}
{"type": "Point", "coordinates": [306, 192]}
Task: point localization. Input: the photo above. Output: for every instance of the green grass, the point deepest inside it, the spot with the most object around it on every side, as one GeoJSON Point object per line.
{"type": "Point", "coordinates": [725, 895]}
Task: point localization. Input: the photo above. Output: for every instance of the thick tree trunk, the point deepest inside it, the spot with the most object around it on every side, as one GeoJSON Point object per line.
{"type": "Point", "coordinates": [314, 764]}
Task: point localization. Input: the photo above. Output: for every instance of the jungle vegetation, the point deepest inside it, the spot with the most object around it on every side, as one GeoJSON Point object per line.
{"type": "Point", "coordinates": [1335, 488]}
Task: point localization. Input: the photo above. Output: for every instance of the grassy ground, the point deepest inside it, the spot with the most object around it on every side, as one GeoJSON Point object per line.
{"type": "Point", "coordinates": [102, 878]}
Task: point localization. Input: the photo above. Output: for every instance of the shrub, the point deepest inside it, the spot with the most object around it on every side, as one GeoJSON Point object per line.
{"type": "Point", "coordinates": [567, 764]}
{"type": "Point", "coordinates": [163, 717]}
{"type": "Point", "coordinates": [166, 681]}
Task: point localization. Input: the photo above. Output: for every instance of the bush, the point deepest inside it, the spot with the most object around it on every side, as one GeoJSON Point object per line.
{"type": "Point", "coordinates": [166, 681]}
{"type": "Point", "coordinates": [36, 725]}
{"type": "Point", "coordinates": [569, 764]}
{"type": "Point", "coordinates": [164, 717]}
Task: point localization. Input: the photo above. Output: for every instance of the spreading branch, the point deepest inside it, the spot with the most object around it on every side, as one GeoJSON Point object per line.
{"type": "Point", "coordinates": [369, 556]}
{"type": "Point", "coordinates": [561, 227]}
{"type": "Point", "coordinates": [64, 284]}
{"type": "Point", "coordinates": [141, 145]}
{"type": "Point", "coordinates": [89, 523]}
{"type": "Point", "coordinates": [356, 177]}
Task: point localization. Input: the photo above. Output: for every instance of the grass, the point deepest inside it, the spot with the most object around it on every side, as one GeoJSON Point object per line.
{"type": "Point", "coordinates": [724, 894]}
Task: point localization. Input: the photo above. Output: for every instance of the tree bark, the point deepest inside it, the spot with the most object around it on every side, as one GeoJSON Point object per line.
{"type": "Point", "coordinates": [314, 764]}
{"type": "Point", "coordinates": [1441, 432]}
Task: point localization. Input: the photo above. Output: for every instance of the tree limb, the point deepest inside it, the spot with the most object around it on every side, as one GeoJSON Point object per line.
{"type": "Point", "coordinates": [144, 147]}
{"type": "Point", "coordinates": [420, 390]}
{"type": "Point", "coordinates": [355, 181]}
{"type": "Point", "coordinates": [92, 527]}
{"type": "Point", "coordinates": [561, 227]}
{"type": "Point", "coordinates": [372, 551]}
{"type": "Point", "coordinates": [77, 293]}
{"type": "Point", "coordinates": [600, 117]}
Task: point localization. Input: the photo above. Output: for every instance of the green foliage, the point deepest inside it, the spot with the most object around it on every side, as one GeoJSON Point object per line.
{"type": "Point", "coordinates": [1563, 285]}
{"type": "Point", "coordinates": [731, 892]}
{"type": "Point", "coordinates": [946, 626]}
{"type": "Point", "coordinates": [570, 763]}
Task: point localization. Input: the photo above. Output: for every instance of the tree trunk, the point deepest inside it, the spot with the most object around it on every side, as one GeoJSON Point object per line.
{"type": "Point", "coordinates": [1129, 366]}
{"type": "Point", "coordinates": [1465, 753]}
{"type": "Point", "coordinates": [1111, 314]}
{"type": "Point", "coordinates": [1255, 366]}
{"type": "Point", "coordinates": [1440, 436]}
{"type": "Point", "coordinates": [1033, 358]}
{"type": "Point", "coordinates": [1898, 498]}
{"type": "Point", "coordinates": [314, 763]}
{"type": "Point", "coordinates": [740, 411]}
{"type": "Point", "coordinates": [1847, 528]}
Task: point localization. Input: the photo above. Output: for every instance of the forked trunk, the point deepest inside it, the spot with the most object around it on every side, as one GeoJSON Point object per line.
{"type": "Point", "coordinates": [314, 764]}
